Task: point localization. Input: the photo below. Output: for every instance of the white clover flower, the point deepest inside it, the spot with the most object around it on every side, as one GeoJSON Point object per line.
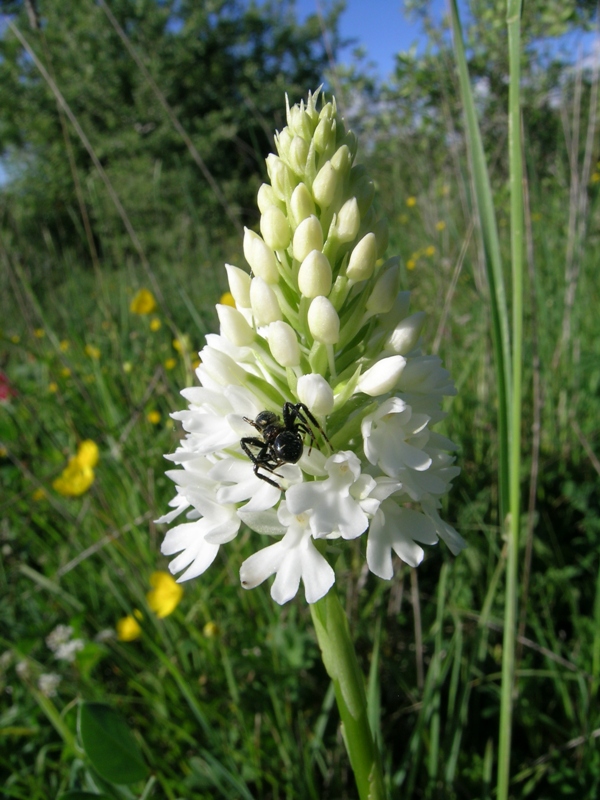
{"type": "Point", "coordinates": [59, 636]}
{"type": "Point", "coordinates": [313, 416]}
{"type": "Point", "coordinates": [68, 650]}
{"type": "Point", "coordinates": [48, 683]}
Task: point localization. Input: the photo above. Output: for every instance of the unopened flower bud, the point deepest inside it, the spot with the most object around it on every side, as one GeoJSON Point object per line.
{"type": "Point", "coordinates": [342, 160]}
{"type": "Point", "coordinates": [266, 197]}
{"type": "Point", "coordinates": [324, 136]}
{"type": "Point", "coordinates": [284, 344]}
{"type": "Point", "coordinates": [382, 234]}
{"type": "Point", "coordinates": [263, 299]}
{"type": "Point", "coordinates": [314, 277]}
{"type": "Point", "coordinates": [324, 185]}
{"type": "Point", "coordinates": [406, 334]}
{"type": "Point", "coordinates": [348, 221]}
{"type": "Point", "coordinates": [234, 327]}
{"type": "Point", "coordinates": [301, 123]}
{"type": "Point", "coordinates": [260, 257]}
{"type": "Point", "coordinates": [308, 236]}
{"type": "Point", "coordinates": [362, 259]}
{"type": "Point", "coordinates": [239, 285]}
{"type": "Point", "coordinates": [314, 391]}
{"type": "Point", "coordinates": [283, 141]}
{"type": "Point", "coordinates": [282, 178]}
{"type": "Point", "coordinates": [275, 228]}
{"type": "Point", "coordinates": [301, 203]}
{"type": "Point", "coordinates": [298, 154]}
{"type": "Point", "coordinates": [381, 299]}
{"type": "Point", "coordinates": [323, 321]}
{"type": "Point", "coordinates": [219, 368]}
{"type": "Point", "coordinates": [382, 376]}
{"type": "Point", "coordinates": [329, 110]}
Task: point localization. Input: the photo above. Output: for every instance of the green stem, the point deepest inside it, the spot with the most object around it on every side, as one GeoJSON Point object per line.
{"type": "Point", "coordinates": [342, 667]}
{"type": "Point", "coordinates": [516, 226]}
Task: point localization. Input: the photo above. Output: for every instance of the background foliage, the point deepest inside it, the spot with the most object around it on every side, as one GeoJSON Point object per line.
{"type": "Point", "coordinates": [226, 696]}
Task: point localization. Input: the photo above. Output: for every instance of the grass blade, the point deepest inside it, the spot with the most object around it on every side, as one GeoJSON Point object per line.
{"type": "Point", "coordinates": [489, 232]}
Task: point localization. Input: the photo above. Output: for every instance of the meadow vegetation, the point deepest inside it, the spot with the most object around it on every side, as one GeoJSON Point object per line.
{"type": "Point", "coordinates": [226, 694]}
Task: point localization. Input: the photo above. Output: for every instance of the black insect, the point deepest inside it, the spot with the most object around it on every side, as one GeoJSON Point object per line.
{"type": "Point", "coordinates": [281, 442]}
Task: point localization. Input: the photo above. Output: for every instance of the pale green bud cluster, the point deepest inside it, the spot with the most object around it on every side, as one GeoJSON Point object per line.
{"type": "Point", "coordinates": [320, 297]}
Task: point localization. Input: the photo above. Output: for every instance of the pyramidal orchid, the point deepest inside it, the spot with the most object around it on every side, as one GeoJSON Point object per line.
{"type": "Point", "coordinates": [318, 324]}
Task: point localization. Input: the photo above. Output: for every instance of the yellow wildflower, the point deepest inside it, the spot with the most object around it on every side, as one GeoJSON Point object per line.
{"type": "Point", "coordinates": [430, 250]}
{"type": "Point", "coordinates": [128, 628]}
{"type": "Point", "coordinates": [211, 630]}
{"type": "Point", "coordinates": [411, 263]}
{"type": "Point", "coordinates": [88, 453]}
{"type": "Point", "coordinates": [196, 363]}
{"type": "Point", "coordinates": [165, 595]}
{"type": "Point", "coordinates": [65, 372]}
{"type": "Point", "coordinates": [227, 299]}
{"type": "Point", "coordinates": [39, 333]}
{"type": "Point", "coordinates": [74, 480]}
{"type": "Point", "coordinates": [411, 202]}
{"type": "Point", "coordinates": [127, 367]}
{"type": "Point", "coordinates": [155, 324]}
{"type": "Point", "coordinates": [440, 226]}
{"type": "Point", "coordinates": [78, 475]}
{"type": "Point", "coordinates": [92, 351]}
{"type": "Point", "coordinates": [15, 338]}
{"type": "Point", "coordinates": [595, 177]}
{"type": "Point", "coordinates": [64, 345]}
{"type": "Point", "coordinates": [153, 417]}
{"type": "Point", "coordinates": [39, 494]}
{"type": "Point", "coordinates": [53, 387]}
{"type": "Point", "coordinates": [170, 363]}
{"type": "Point", "coordinates": [143, 302]}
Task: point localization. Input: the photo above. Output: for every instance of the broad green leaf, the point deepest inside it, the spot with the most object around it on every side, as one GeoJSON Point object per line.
{"type": "Point", "coordinates": [109, 744]}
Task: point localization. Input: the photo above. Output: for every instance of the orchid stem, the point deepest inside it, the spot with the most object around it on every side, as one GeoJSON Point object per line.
{"type": "Point", "coordinates": [339, 658]}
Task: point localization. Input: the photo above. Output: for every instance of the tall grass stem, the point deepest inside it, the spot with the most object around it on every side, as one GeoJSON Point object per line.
{"type": "Point", "coordinates": [493, 262]}
{"type": "Point", "coordinates": [515, 157]}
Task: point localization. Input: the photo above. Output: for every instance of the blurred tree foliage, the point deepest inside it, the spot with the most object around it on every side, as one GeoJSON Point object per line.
{"type": "Point", "coordinates": [419, 117]}
{"type": "Point", "coordinates": [223, 67]}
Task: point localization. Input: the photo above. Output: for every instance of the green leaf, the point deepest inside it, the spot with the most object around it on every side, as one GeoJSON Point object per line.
{"type": "Point", "coordinates": [109, 744]}
{"type": "Point", "coordinates": [75, 794]}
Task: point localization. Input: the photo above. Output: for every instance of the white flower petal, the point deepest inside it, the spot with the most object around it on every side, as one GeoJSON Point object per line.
{"type": "Point", "coordinates": [265, 522]}
{"type": "Point", "coordinates": [262, 565]}
{"type": "Point", "coordinates": [398, 529]}
{"type": "Point", "coordinates": [317, 575]}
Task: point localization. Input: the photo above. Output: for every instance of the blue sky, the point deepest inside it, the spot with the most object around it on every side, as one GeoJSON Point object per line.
{"type": "Point", "coordinates": [381, 26]}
